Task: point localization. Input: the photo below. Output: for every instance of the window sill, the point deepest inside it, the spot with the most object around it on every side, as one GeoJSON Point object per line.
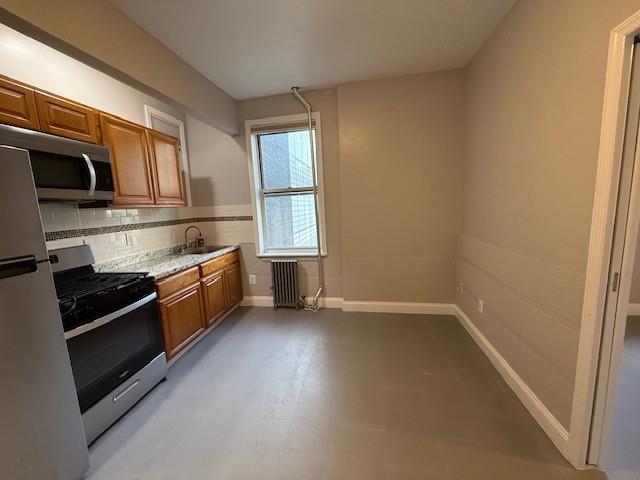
{"type": "Point", "coordinates": [267, 255]}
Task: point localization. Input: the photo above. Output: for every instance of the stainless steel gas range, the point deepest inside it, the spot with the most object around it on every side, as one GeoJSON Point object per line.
{"type": "Point", "coordinates": [113, 335]}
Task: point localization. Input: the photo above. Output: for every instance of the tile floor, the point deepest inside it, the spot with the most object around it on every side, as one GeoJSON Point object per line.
{"type": "Point", "coordinates": [623, 458]}
{"type": "Point", "coordinates": [333, 395]}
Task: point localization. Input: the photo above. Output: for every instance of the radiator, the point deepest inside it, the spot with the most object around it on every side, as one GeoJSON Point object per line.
{"type": "Point", "coordinates": [284, 275]}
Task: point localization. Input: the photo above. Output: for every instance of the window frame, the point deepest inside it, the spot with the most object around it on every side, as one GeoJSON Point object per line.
{"type": "Point", "coordinates": [284, 123]}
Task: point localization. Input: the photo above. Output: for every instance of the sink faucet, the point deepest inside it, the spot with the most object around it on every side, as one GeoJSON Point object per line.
{"type": "Point", "coordinates": [186, 231]}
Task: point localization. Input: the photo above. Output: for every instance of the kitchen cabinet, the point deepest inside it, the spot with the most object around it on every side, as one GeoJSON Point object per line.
{"type": "Point", "coordinates": [18, 105]}
{"type": "Point", "coordinates": [233, 278]}
{"type": "Point", "coordinates": [214, 294]}
{"type": "Point", "coordinates": [182, 318]}
{"type": "Point", "coordinates": [217, 286]}
{"type": "Point", "coordinates": [130, 161]}
{"type": "Point", "coordinates": [59, 116]}
{"type": "Point", "coordinates": [146, 164]}
{"type": "Point", "coordinates": [166, 168]}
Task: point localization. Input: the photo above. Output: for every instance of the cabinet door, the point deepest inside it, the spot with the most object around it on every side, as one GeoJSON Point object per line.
{"type": "Point", "coordinates": [18, 105]}
{"type": "Point", "coordinates": [214, 295]}
{"type": "Point", "coordinates": [234, 283]}
{"type": "Point", "coordinates": [167, 172]}
{"type": "Point", "coordinates": [130, 161]}
{"type": "Point", "coordinates": [66, 118]}
{"type": "Point", "coordinates": [182, 319]}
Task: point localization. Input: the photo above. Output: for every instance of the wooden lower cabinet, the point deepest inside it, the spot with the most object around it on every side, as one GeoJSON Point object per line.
{"type": "Point", "coordinates": [195, 298]}
{"type": "Point", "coordinates": [214, 294]}
{"type": "Point", "coordinates": [182, 318]}
{"type": "Point", "coordinates": [234, 283]}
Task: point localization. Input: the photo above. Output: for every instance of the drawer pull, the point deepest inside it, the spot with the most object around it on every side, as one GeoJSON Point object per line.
{"type": "Point", "coordinates": [126, 390]}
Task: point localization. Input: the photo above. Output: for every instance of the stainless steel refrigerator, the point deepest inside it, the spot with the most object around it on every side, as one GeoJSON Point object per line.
{"type": "Point", "coordinates": [41, 432]}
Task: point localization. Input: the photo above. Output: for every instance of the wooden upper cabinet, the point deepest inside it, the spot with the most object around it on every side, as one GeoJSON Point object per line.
{"type": "Point", "coordinates": [130, 161]}
{"type": "Point", "coordinates": [59, 116]}
{"type": "Point", "coordinates": [165, 164]}
{"type": "Point", "coordinates": [18, 105]}
{"type": "Point", "coordinates": [146, 164]}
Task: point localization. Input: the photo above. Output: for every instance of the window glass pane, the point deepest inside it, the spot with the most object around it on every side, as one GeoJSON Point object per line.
{"type": "Point", "coordinates": [291, 221]}
{"type": "Point", "coordinates": [286, 161]}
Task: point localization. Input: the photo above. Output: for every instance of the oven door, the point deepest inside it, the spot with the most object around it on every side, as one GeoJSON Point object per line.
{"type": "Point", "coordinates": [109, 350]}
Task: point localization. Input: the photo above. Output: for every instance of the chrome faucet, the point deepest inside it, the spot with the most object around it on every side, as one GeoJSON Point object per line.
{"type": "Point", "coordinates": [186, 231]}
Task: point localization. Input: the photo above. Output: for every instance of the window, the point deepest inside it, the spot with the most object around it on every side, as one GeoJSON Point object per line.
{"type": "Point", "coordinates": [282, 183]}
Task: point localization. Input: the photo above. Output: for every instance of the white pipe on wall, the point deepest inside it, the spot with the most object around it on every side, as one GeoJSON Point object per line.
{"type": "Point", "coordinates": [296, 93]}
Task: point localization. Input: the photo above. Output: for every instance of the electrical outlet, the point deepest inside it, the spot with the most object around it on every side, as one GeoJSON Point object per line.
{"type": "Point", "coordinates": [460, 288]}
{"type": "Point", "coordinates": [480, 306]}
{"type": "Point", "coordinates": [252, 279]}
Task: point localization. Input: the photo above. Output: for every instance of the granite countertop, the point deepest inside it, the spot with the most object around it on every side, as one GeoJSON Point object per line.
{"type": "Point", "coordinates": [161, 264]}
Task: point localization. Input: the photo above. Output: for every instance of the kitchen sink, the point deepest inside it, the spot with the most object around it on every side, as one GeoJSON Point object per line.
{"type": "Point", "coordinates": [202, 250]}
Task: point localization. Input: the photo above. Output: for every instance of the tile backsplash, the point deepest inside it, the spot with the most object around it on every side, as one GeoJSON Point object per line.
{"type": "Point", "coordinates": [116, 233]}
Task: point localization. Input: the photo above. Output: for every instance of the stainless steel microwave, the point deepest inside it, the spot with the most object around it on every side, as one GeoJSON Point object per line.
{"type": "Point", "coordinates": [63, 169]}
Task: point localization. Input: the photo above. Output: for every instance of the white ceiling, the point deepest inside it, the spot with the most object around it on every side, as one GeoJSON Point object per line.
{"type": "Point", "coordinates": [253, 48]}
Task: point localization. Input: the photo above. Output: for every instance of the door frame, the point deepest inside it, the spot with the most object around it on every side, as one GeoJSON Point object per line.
{"type": "Point", "coordinates": [588, 378]}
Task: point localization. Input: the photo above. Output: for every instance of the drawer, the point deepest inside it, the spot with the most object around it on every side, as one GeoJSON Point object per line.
{"type": "Point", "coordinates": [176, 282]}
{"type": "Point", "coordinates": [232, 257]}
{"type": "Point", "coordinates": [212, 266]}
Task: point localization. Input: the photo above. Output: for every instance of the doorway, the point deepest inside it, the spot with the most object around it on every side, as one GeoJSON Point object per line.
{"type": "Point", "coordinates": [614, 436]}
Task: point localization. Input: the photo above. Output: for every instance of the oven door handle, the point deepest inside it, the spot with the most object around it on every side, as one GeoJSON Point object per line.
{"type": "Point", "coordinates": [109, 318]}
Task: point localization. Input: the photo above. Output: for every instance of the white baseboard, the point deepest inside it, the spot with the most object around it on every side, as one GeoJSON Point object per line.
{"type": "Point", "coordinates": [257, 301]}
{"type": "Point", "coordinates": [364, 306]}
{"type": "Point", "coordinates": [267, 301]}
{"type": "Point", "coordinates": [549, 423]}
{"type": "Point", "coordinates": [633, 309]}
{"type": "Point", "coordinates": [399, 307]}
{"type": "Point", "coordinates": [331, 302]}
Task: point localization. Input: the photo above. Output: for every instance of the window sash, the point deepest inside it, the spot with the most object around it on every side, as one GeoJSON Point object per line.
{"type": "Point", "coordinates": [260, 160]}
{"type": "Point", "coordinates": [284, 192]}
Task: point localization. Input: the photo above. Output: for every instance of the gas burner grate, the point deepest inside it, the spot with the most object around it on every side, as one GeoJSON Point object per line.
{"type": "Point", "coordinates": [94, 283]}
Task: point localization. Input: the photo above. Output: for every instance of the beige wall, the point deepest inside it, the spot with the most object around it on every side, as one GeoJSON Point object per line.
{"type": "Point", "coordinates": [401, 148]}
{"type": "Point", "coordinates": [219, 174]}
{"type": "Point", "coordinates": [535, 93]}
{"type": "Point", "coordinates": [392, 152]}
{"type": "Point", "coordinates": [100, 35]}
{"type": "Point", "coordinates": [37, 64]}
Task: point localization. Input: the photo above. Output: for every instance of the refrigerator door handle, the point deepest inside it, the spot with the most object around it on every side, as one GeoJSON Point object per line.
{"type": "Point", "coordinates": [92, 174]}
{"type": "Point", "coordinates": [13, 267]}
